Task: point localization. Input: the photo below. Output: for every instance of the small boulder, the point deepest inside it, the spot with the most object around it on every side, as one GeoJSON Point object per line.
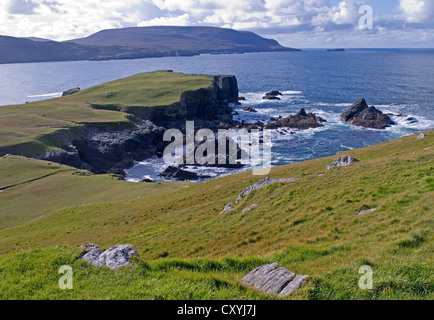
{"type": "Point", "coordinates": [227, 208]}
{"type": "Point", "coordinates": [272, 279]}
{"type": "Point", "coordinates": [70, 91]}
{"type": "Point", "coordinates": [178, 174]}
{"type": "Point", "coordinates": [421, 136]}
{"type": "Point", "coordinates": [342, 162]}
{"type": "Point", "coordinates": [249, 109]}
{"type": "Point", "coordinates": [116, 256]}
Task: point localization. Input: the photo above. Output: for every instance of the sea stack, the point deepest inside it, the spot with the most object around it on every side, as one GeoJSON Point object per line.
{"type": "Point", "coordinates": [360, 114]}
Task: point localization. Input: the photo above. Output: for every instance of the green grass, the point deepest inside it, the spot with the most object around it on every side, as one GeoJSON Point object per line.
{"type": "Point", "coordinates": [310, 226]}
{"type": "Point", "coordinates": [34, 128]}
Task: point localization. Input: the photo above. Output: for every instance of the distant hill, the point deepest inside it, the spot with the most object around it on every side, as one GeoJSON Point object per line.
{"type": "Point", "coordinates": [131, 43]}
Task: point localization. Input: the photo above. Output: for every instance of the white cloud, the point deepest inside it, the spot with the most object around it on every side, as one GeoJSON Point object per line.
{"type": "Point", "coordinates": [183, 20]}
{"type": "Point", "coordinates": [326, 21]}
{"type": "Point", "coordinates": [417, 11]}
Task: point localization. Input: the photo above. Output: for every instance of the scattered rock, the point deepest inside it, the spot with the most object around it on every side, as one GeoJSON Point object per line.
{"type": "Point", "coordinates": [294, 285]}
{"type": "Point", "coordinates": [92, 252]}
{"type": "Point", "coordinates": [342, 162]}
{"type": "Point", "coordinates": [302, 120]}
{"type": "Point", "coordinates": [114, 257]}
{"type": "Point", "coordinates": [241, 99]}
{"type": "Point", "coordinates": [411, 120]}
{"type": "Point", "coordinates": [360, 114]}
{"type": "Point", "coordinates": [176, 173]}
{"type": "Point", "coordinates": [227, 208]}
{"type": "Point", "coordinates": [249, 109]}
{"type": "Point", "coordinates": [261, 184]}
{"type": "Point", "coordinates": [272, 95]}
{"type": "Point", "coordinates": [70, 91]}
{"type": "Point", "coordinates": [271, 278]}
{"type": "Point", "coordinates": [270, 98]}
{"type": "Point", "coordinates": [367, 211]}
{"type": "Point", "coordinates": [421, 136]}
{"type": "Point", "coordinates": [253, 206]}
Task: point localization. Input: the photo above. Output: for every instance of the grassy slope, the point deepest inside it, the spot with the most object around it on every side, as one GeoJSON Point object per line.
{"type": "Point", "coordinates": [188, 250]}
{"type": "Point", "coordinates": [23, 127]}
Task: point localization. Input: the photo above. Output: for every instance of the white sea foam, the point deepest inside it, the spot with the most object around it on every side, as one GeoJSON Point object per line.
{"type": "Point", "coordinates": [46, 95]}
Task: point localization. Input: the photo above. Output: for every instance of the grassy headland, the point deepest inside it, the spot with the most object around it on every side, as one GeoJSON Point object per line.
{"type": "Point", "coordinates": [189, 251]}
{"type": "Point", "coordinates": [38, 127]}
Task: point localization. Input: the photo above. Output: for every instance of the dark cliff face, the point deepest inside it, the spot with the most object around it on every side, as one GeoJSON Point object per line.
{"type": "Point", "coordinates": [209, 104]}
{"type": "Point", "coordinates": [227, 88]}
{"type": "Point", "coordinates": [112, 151]}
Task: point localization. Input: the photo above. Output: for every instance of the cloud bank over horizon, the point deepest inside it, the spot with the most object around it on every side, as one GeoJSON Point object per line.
{"type": "Point", "coordinates": [294, 23]}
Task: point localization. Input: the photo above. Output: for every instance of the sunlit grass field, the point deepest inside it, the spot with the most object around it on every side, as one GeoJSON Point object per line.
{"type": "Point", "coordinates": [190, 251]}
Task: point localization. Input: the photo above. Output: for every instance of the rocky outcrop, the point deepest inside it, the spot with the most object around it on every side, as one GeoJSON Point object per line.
{"type": "Point", "coordinates": [272, 95]}
{"type": "Point", "coordinates": [342, 162]}
{"type": "Point", "coordinates": [227, 208]}
{"type": "Point", "coordinates": [226, 88]}
{"type": "Point", "coordinates": [272, 279]}
{"type": "Point", "coordinates": [70, 91]}
{"type": "Point", "coordinates": [301, 121]}
{"type": "Point", "coordinates": [360, 114]}
{"type": "Point", "coordinates": [177, 173]}
{"type": "Point", "coordinates": [115, 257]}
{"type": "Point", "coordinates": [249, 109]}
{"type": "Point", "coordinates": [261, 184]}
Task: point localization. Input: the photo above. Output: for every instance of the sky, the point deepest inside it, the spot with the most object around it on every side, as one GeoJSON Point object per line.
{"type": "Point", "coordinates": [294, 23]}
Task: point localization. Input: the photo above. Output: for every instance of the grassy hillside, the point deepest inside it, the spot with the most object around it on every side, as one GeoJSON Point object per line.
{"type": "Point", "coordinates": [30, 129]}
{"type": "Point", "coordinates": [189, 251]}
{"type": "Point", "coordinates": [175, 38]}
{"type": "Point", "coordinates": [136, 43]}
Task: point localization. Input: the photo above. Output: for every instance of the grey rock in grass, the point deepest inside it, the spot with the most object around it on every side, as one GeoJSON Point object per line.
{"type": "Point", "coordinates": [271, 278]}
{"type": "Point", "coordinates": [342, 162]}
{"type": "Point", "coordinates": [367, 211]}
{"type": "Point", "coordinates": [114, 257]}
{"type": "Point", "coordinates": [294, 285]}
{"type": "Point", "coordinates": [261, 184]}
{"type": "Point", "coordinates": [421, 136]}
{"type": "Point", "coordinates": [227, 208]}
{"type": "Point", "coordinates": [253, 206]}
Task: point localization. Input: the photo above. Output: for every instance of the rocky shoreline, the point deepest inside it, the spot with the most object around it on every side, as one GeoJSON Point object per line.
{"type": "Point", "coordinates": [112, 151]}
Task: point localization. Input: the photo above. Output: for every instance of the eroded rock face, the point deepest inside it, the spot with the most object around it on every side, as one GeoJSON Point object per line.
{"type": "Point", "coordinates": [261, 184]}
{"type": "Point", "coordinates": [114, 257]}
{"type": "Point", "coordinates": [360, 114]}
{"type": "Point", "coordinates": [302, 120]}
{"type": "Point", "coordinates": [271, 278]}
{"type": "Point", "coordinates": [70, 91]}
{"type": "Point", "coordinates": [342, 162]}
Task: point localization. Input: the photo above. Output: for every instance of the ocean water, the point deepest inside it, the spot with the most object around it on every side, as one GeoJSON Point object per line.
{"type": "Point", "coordinates": [398, 81]}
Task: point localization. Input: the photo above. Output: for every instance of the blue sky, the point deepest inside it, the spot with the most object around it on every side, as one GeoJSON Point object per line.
{"type": "Point", "coordinates": [294, 23]}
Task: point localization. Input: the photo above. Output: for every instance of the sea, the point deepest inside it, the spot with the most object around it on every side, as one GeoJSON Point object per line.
{"type": "Point", "coordinates": [396, 81]}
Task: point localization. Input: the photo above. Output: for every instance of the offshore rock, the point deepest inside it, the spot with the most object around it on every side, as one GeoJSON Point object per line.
{"type": "Point", "coordinates": [302, 120]}
{"type": "Point", "coordinates": [360, 114]}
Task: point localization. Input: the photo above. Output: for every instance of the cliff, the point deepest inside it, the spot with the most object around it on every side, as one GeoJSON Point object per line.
{"type": "Point", "coordinates": [108, 127]}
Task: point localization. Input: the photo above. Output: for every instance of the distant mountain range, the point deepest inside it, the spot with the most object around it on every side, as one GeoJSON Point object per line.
{"type": "Point", "coordinates": [134, 43]}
